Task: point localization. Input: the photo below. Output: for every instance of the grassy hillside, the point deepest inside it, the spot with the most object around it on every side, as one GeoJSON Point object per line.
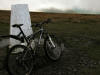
{"type": "Point", "coordinates": [80, 32]}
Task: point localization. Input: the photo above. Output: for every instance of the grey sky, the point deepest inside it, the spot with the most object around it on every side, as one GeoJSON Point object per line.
{"type": "Point", "coordinates": [37, 5]}
{"type": "Point", "coordinates": [90, 4]}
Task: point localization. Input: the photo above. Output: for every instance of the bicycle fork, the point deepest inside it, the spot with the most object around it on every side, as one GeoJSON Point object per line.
{"type": "Point", "coordinates": [52, 42]}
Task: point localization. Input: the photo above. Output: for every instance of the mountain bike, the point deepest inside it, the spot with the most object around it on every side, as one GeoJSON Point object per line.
{"type": "Point", "coordinates": [22, 61]}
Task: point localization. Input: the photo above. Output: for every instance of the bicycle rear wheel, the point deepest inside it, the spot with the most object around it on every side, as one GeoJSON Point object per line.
{"type": "Point", "coordinates": [19, 63]}
{"type": "Point", "coordinates": [53, 53]}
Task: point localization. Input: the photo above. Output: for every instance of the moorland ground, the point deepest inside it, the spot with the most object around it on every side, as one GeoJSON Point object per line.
{"type": "Point", "coordinates": [79, 32]}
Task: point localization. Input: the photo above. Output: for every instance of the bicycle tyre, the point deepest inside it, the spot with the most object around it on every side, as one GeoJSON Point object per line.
{"type": "Point", "coordinates": [13, 66]}
{"type": "Point", "coordinates": [52, 53]}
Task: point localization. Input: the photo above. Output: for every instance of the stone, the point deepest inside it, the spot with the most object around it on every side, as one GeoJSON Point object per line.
{"type": "Point", "coordinates": [20, 15]}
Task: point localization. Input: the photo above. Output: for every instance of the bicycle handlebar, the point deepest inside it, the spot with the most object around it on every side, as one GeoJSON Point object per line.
{"type": "Point", "coordinates": [36, 25]}
{"type": "Point", "coordinates": [41, 23]}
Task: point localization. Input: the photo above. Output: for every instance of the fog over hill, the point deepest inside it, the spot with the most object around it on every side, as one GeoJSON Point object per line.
{"type": "Point", "coordinates": [58, 6]}
{"type": "Point", "coordinates": [74, 10]}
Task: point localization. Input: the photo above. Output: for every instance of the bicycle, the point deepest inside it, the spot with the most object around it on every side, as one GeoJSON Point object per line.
{"type": "Point", "coordinates": [23, 60]}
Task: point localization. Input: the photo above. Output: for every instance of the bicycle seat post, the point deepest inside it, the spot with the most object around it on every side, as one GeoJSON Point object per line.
{"type": "Point", "coordinates": [19, 27]}
{"type": "Point", "coordinates": [23, 34]}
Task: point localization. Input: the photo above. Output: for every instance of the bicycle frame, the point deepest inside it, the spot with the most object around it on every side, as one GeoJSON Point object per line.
{"type": "Point", "coordinates": [42, 33]}
{"type": "Point", "coordinates": [28, 39]}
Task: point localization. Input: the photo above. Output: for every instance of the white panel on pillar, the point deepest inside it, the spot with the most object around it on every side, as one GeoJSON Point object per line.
{"type": "Point", "coordinates": [20, 15]}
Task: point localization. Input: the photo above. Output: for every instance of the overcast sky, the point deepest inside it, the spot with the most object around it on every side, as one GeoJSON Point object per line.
{"type": "Point", "coordinates": [38, 5]}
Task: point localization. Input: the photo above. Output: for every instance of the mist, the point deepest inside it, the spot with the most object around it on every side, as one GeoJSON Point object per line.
{"type": "Point", "coordinates": [88, 6]}
{"type": "Point", "coordinates": [93, 5]}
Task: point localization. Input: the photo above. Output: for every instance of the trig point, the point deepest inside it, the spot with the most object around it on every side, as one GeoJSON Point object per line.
{"type": "Point", "coordinates": [20, 15]}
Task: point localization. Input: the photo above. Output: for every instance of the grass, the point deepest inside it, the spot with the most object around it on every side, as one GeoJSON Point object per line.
{"type": "Point", "coordinates": [4, 28]}
{"type": "Point", "coordinates": [78, 33]}
{"type": "Point", "coordinates": [82, 32]}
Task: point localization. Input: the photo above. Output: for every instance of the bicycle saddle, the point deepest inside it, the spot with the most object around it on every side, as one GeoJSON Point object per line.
{"type": "Point", "coordinates": [17, 25]}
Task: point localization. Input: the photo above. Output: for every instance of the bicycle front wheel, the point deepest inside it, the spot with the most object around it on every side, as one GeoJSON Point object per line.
{"type": "Point", "coordinates": [54, 53]}
{"type": "Point", "coordinates": [20, 62]}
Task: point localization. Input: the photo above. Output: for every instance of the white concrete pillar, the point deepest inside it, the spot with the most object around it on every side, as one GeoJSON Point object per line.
{"type": "Point", "coordinates": [20, 15]}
